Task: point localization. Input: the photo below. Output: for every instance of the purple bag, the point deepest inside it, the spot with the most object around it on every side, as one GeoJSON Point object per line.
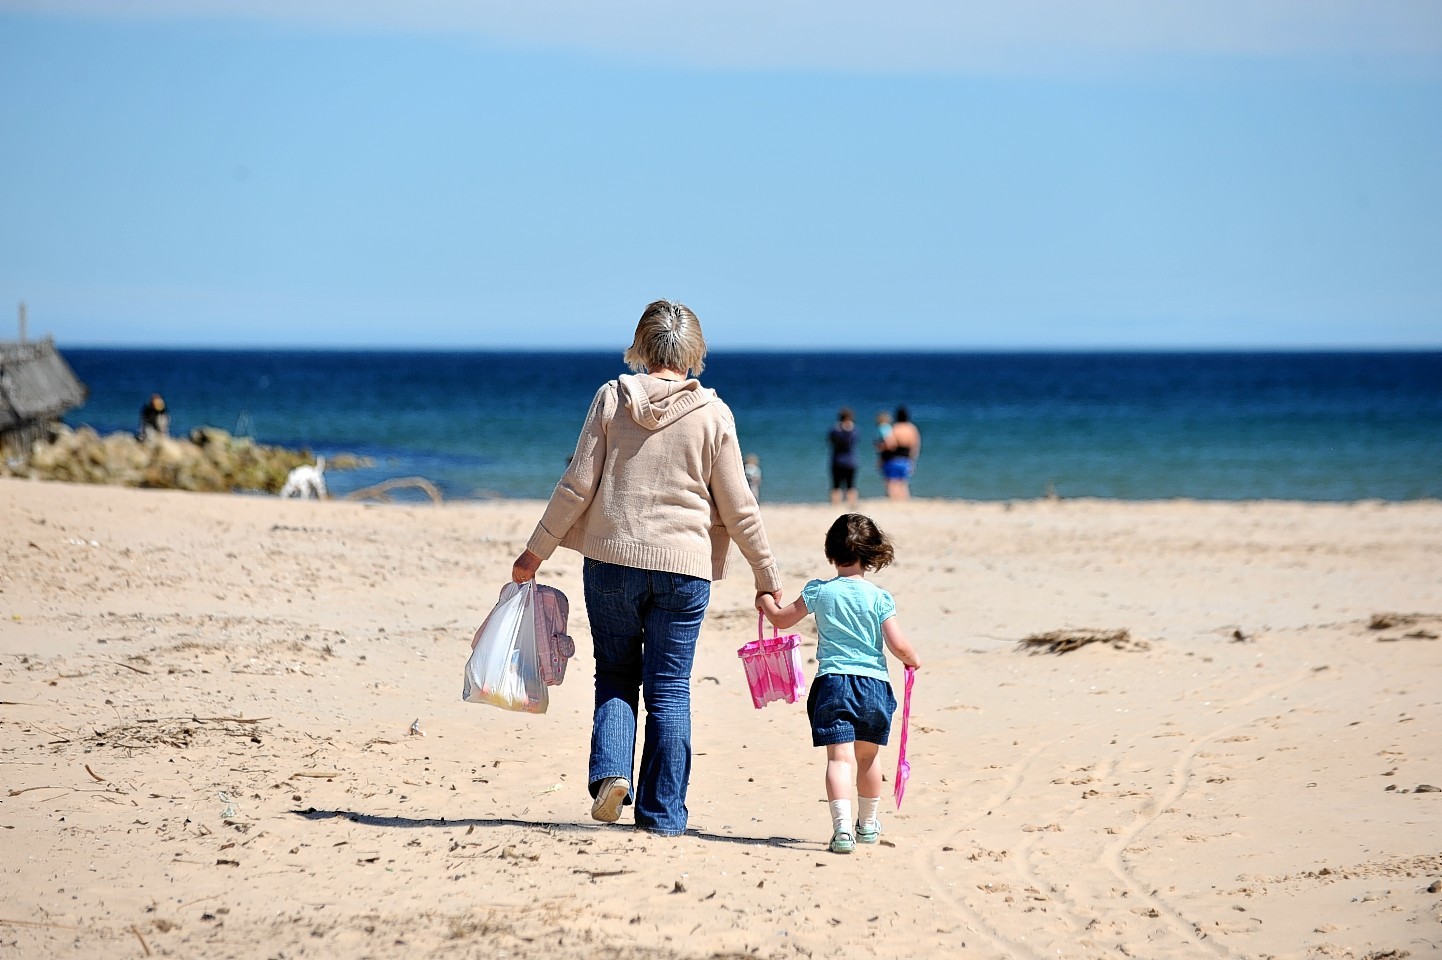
{"type": "Point", "coordinates": [553, 644]}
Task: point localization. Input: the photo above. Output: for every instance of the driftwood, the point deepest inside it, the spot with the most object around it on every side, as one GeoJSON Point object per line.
{"type": "Point", "coordinates": [1065, 641]}
{"type": "Point", "coordinates": [381, 491]}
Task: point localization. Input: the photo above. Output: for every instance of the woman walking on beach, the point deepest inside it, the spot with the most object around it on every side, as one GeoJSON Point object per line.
{"type": "Point", "coordinates": [653, 496]}
{"type": "Point", "coordinates": [851, 701]}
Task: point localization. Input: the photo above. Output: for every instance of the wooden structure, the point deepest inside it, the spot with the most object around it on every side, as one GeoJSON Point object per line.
{"type": "Point", "coordinates": [37, 387]}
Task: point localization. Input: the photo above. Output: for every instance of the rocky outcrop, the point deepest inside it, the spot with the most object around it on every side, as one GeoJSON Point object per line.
{"type": "Point", "coordinates": [211, 460]}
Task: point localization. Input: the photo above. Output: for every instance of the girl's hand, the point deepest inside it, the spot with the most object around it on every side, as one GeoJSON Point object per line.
{"type": "Point", "coordinates": [763, 595]}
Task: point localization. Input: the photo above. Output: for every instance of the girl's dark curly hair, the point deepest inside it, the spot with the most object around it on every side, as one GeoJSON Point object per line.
{"type": "Point", "coordinates": [854, 538]}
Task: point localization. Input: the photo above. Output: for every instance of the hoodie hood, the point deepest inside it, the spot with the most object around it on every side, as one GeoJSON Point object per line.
{"type": "Point", "coordinates": [654, 403]}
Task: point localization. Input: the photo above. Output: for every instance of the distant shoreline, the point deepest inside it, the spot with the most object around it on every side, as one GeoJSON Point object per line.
{"type": "Point", "coordinates": [1315, 426]}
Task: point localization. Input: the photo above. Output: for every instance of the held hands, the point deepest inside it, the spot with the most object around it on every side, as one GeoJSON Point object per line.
{"type": "Point", "coordinates": [525, 567]}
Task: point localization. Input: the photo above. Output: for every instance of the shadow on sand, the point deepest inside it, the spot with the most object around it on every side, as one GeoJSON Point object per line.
{"type": "Point", "coordinates": [412, 823]}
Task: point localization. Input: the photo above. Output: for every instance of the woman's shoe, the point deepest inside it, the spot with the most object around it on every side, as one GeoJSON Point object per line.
{"type": "Point", "coordinates": [842, 842]}
{"type": "Point", "coordinates": [609, 797]}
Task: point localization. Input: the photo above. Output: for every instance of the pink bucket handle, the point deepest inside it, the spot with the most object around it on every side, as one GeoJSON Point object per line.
{"type": "Point", "coordinates": [760, 622]}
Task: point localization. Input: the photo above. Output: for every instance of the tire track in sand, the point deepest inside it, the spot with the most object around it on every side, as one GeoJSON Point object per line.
{"type": "Point", "coordinates": [1182, 774]}
{"type": "Point", "coordinates": [931, 864]}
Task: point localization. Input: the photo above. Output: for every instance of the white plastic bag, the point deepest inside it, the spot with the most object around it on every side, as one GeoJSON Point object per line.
{"type": "Point", "coordinates": [505, 667]}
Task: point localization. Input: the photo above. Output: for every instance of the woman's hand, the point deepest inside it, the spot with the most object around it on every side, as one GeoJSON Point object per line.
{"type": "Point", "coordinates": [525, 567]}
{"type": "Point", "coordinates": [775, 596]}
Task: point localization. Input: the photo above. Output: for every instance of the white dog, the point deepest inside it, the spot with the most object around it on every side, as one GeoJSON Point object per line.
{"type": "Point", "coordinates": [306, 482]}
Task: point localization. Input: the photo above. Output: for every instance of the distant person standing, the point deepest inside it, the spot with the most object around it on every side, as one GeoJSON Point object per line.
{"type": "Point", "coordinates": [883, 437]}
{"type": "Point", "coordinates": [898, 455]}
{"type": "Point", "coordinates": [154, 418]}
{"type": "Point", "coordinates": [883, 428]}
{"type": "Point", "coordinates": [843, 457]}
{"type": "Point", "coordinates": [752, 469]}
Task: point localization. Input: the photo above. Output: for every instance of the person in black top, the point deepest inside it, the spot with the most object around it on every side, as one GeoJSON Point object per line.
{"type": "Point", "coordinates": [154, 418]}
{"type": "Point", "coordinates": [843, 457]}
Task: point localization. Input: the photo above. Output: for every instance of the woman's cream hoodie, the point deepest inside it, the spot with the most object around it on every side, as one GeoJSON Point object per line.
{"type": "Point", "coordinates": [657, 483]}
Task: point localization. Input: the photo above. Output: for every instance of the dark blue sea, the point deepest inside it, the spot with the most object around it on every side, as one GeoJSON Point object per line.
{"type": "Point", "coordinates": [995, 426]}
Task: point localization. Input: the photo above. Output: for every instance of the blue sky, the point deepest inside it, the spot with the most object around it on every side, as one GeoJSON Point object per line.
{"type": "Point", "coordinates": [1036, 175]}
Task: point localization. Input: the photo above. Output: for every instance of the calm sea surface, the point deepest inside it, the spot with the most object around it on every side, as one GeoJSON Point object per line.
{"type": "Point", "coordinates": [995, 426]}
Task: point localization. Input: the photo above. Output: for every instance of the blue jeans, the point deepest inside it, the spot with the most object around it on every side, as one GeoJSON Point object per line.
{"type": "Point", "coordinates": [644, 624]}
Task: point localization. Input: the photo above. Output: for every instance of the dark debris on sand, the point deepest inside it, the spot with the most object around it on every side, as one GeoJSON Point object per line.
{"type": "Point", "coordinates": [1065, 641]}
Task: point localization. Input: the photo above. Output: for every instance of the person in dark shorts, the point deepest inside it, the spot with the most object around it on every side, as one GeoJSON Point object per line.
{"type": "Point", "coordinates": [898, 455]}
{"type": "Point", "coordinates": [843, 457]}
{"type": "Point", "coordinates": [851, 700]}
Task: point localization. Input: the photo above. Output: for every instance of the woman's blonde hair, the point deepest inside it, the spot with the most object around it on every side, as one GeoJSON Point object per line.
{"type": "Point", "coordinates": [669, 335]}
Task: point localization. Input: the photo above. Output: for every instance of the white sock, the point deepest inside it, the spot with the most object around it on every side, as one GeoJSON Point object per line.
{"type": "Point", "coordinates": [841, 816]}
{"type": "Point", "coordinates": [868, 807]}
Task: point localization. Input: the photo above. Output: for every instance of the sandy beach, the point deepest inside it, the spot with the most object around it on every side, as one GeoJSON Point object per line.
{"type": "Point", "coordinates": [232, 728]}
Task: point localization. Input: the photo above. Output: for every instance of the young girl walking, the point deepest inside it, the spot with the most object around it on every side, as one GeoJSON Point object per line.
{"type": "Point", "coordinates": [851, 702]}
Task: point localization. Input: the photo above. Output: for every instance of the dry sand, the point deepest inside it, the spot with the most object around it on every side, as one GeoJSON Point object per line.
{"type": "Point", "coordinates": [207, 751]}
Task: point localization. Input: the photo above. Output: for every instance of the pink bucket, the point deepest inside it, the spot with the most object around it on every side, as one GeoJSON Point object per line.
{"type": "Point", "coordinates": [773, 667]}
